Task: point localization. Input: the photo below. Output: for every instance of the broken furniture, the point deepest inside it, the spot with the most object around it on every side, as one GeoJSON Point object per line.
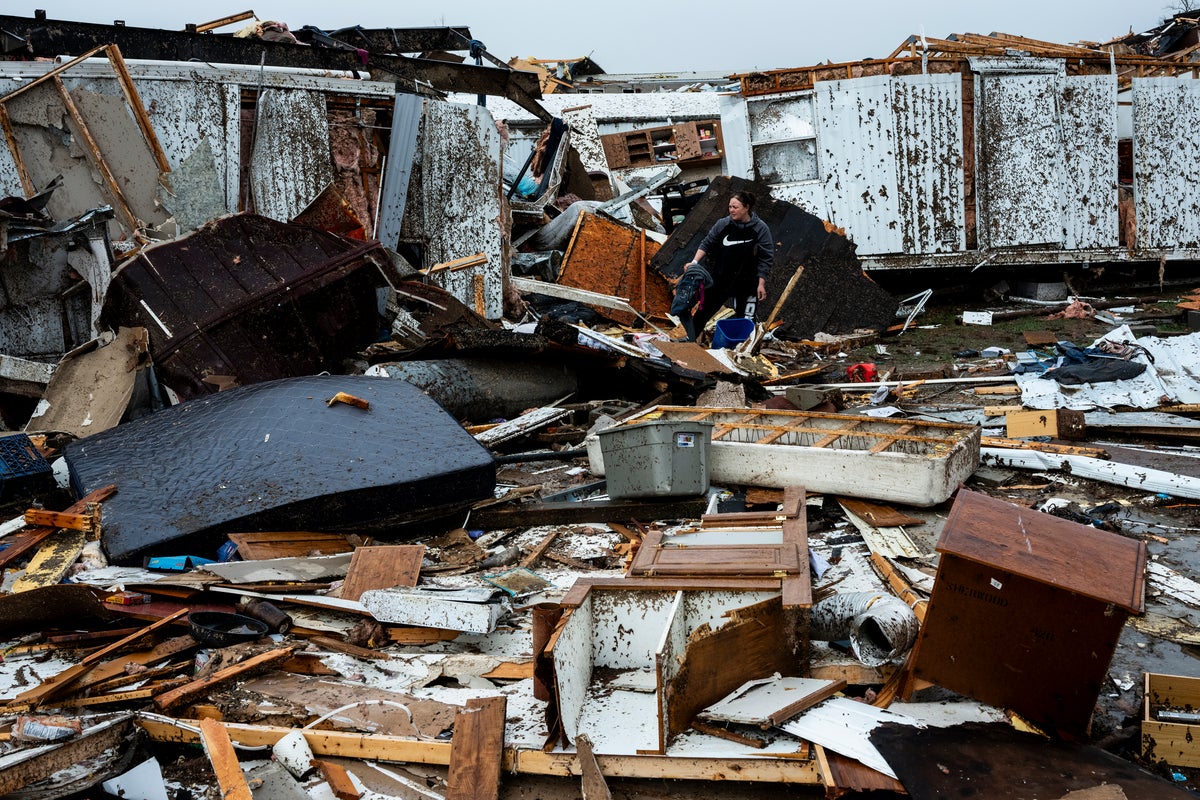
{"type": "Point", "coordinates": [737, 545]}
{"type": "Point", "coordinates": [1170, 720]}
{"type": "Point", "coordinates": [274, 456]}
{"type": "Point", "coordinates": [1026, 610]}
{"type": "Point", "coordinates": [688, 144]}
{"type": "Point", "coordinates": [914, 462]}
{"type": "Point", "coordinates": [248, 299]}
{"type": "Point", "coordinates": [636, 660]}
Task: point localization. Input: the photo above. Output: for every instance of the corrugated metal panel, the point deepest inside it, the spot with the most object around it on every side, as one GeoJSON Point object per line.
{"type": "Point", "coordinates": [402, 148]}
{"type": "Point", "coordinates": [858, 160]}
{"type": "Point", "coordinates": [1089, 130]}
{"type": "Point", "coordinates": [1166, 161]}
{"type": "Point", "coordinates": [929, 162]}
{"type": "Point", "coordinates": [1019, 155]}
{"type": "Point", "coordinates": [459, 195]}
{"type": "Point", "coordinates": [735, 134]}
{"type": "Point", "coordinates": [291, 164]}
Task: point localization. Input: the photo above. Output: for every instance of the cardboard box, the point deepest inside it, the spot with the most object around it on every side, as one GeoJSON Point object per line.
{"type": "Point", "coordinates": [1176, 743]}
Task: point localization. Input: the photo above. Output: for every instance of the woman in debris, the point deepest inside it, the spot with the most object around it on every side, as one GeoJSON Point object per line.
{"type": "Point", "coordinates": [737, 255]}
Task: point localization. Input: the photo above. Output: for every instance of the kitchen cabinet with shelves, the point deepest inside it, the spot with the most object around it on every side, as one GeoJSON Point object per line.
{"type": "Point", "coordinates": [686, 144]}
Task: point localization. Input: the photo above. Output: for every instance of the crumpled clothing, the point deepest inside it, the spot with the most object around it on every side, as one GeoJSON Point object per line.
{"type": "Point", "coordinates": [690, 289]}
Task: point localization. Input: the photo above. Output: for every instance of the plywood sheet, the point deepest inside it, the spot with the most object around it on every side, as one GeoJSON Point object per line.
{"type": "Point", "coordinates": [382, 567]}
{"type": "Point", "coordinates": [608, 257]}
{"type": "Point", "coordinates": [476, 749]}
{"type": "Point", "coordinates": [286, 544]}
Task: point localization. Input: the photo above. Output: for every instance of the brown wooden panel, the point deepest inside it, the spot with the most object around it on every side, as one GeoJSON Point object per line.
{"type": "Point", "coordinates": [288, 544]}
{"type": "Point", "coordinates": [878, 514]}
{"type": "Point", "coordinates": [732, 559]}
{"type": "Point", "coordinates": [610, 258]}
{"type": "Point", "coordinates": [382, 567]}
{"type": "Point", "coordinates": [1016, 643]}
{"type": "Point", "coordinates": [1047, 549]}
{"type": "Point", "coordinates": [763, 644]}
{"type": "Point", "coordinates": [476, 750]}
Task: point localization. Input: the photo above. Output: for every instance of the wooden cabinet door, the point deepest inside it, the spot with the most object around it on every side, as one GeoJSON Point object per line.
{"type": "Point", "coordinates": [687, 141]}
{"type": "Point", "coordinates": [615, 150]}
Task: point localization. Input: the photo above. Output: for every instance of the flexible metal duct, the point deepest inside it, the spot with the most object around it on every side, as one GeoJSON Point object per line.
{"type": "Point", "coordinates": [880, 626]}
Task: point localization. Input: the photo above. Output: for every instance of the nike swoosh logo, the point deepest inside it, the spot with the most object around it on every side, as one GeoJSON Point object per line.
{"type": "Point", "coordinates": [726, 241]}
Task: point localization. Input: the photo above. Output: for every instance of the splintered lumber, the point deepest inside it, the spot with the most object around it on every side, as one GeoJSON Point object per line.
{"type": "Point", "coordinates": [52, 560]}
{"type": "Point", "coordinates": [997, 390]}
{"type": "Point", "coordinates": [594, 786]}
{"type": "Point", "coordinates": [30, 539]}
{"type": "Point", "coordinates": [370, 746]}
{"type": "Point", "coordinates": [476, 750]}
{"type": "Point", "coordinates": [540, 548]}
{"type": "Point", "coordinates": [26, 767]}
{"type": "Point", "coordinates": [1043, 447]}
{"type": "Point", "coordinates": [339, 780]}
{"type": "Point", "coordinates": [465, 262]}
{"type": "Point", "coordinates": [382, 567]}
{"type": "Point", "coordinates": [56, 685]}
{"type": "Point", "coordinates": [88, 521]}
{"type": "Point", "coordinates": [220, 752]}
{"type": "Point", "coordinates": [168, 700]}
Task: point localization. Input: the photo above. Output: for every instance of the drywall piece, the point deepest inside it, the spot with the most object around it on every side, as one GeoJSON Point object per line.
{"type": "Point", "coordinates": [143, 782]}
{"type": "Point", "coordinates": [470, 610]}
{"type": "Point", "coordinates": [92, 386]}
{"type": "Point", "coordinates": [290, 164]}
{"type": "Point", "coordinates": [843, 726]}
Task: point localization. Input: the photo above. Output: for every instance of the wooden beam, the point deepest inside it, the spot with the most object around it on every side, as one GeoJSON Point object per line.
{"type": "Point", "coordinates": [339, 780]}
{"type": "Point", "coordinates": [566, 512]}
{"type": "Point", "coordinates": [220, 752]}
{"type": "Point", "coordinates": [593, 784]}
{"type": "Point", "coordinates": [88, 521]}
{"type": "Point", "coordinates": [785, 769]}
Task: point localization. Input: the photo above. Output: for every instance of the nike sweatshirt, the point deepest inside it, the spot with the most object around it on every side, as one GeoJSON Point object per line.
{"type": "Point", "coordinates": [734, 247]}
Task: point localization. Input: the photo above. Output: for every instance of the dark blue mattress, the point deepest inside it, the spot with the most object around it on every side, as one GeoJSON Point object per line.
{"type": "Point", "coordinates": [274, 456]}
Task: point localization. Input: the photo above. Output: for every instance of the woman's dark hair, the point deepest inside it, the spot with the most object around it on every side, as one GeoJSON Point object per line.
{"type": "Point", "coordinates": [745, 198]}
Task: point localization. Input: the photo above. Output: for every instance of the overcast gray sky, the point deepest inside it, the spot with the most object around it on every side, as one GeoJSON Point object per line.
{"type": "Point", "coordinates": [627, 36]}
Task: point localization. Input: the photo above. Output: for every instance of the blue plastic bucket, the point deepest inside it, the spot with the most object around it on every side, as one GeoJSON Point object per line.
{"type": "Point", "coordinates": [732, 331]}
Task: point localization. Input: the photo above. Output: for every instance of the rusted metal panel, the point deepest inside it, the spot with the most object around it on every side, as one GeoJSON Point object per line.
{"type": "Point", "coordinates": [251, 298]}
{"type": "Point", "coordinates": [1089, 130]}
{"type": "Point", "coordinates": [858, 159]}
{"type": "Point", "coordinates": [611, 258]}
{"type": "Point", "coordinates": [290, 165]}
{"type": "Point", "coordinates": [454, 200]}
{"type": "Point", "coordinates": [929, 162]}
{"type": "Point", "coordinates": [1020, 160]}
{"type": "Point", "coordinates": [1166, 162]}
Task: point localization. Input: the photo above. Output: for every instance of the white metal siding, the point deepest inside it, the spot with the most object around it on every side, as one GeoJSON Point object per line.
{"type": "Point", "coordinates": [1019, 158]}
{"type": "Point", "coordinates": [858, 159]}
{"type": "Point", "coordinates": [929, 162]}
{"type": "Point", "coordinates": [1166, 157]}
{"type": "Point", "coordinates": [290, 164]}
{"type": "Point", "coordinates": [735, 134]}
{"type": "Point", "coordinates": [1089, 127]}
{"type": "Point", "coordinates": [460, 196]}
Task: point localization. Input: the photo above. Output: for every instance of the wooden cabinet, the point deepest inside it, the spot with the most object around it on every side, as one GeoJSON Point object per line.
{"type": "Point", "coordinates": [686, 144]}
